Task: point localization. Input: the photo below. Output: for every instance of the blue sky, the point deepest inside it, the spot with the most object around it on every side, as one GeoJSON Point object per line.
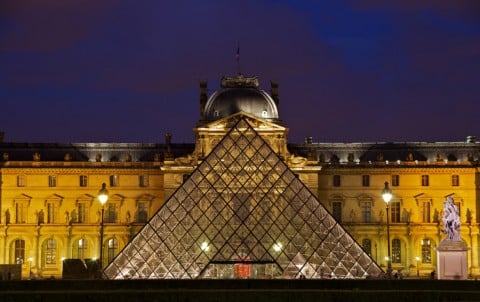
{"type": "Point", "coordinates": [129, 71]}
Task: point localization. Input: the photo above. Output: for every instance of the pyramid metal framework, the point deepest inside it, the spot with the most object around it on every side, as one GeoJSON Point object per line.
{"type": "Point", "coordinates": [242, 213]}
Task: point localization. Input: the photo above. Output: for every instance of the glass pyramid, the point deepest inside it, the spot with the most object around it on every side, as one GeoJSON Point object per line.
{"type": "Point", "coordinates": [242, 214]}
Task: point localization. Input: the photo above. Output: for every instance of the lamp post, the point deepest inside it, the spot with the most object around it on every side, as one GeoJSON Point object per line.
{"type": "Point", "coordinates": [102, 198]}
{"type": "Point", "coordinates": [418, 259]}
{"type": "Point", "coordinates": [30, 260]}
{"type": "Point", "coordinates": [387, 196]}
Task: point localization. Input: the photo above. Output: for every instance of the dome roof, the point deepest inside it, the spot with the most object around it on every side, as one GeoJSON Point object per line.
{"type": "Point", "coordinates": [240, 94]}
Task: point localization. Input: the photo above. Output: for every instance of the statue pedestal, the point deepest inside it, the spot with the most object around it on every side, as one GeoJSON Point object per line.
{"type": "Point", "coordinates": [452, 260]}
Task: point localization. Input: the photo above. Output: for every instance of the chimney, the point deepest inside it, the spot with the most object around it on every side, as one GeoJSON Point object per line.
{"type": "Point", "coordinates": [203, 97]}
{"type": "Point", "coordinates": [471, 139]}
{"type": "Point", "coordinates": [168, 143]}
{"type": "Point", "coordinates": [274, 92]}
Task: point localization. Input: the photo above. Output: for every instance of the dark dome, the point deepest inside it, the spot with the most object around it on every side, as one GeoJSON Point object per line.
{"type": "Point", "coordinates": [240, 94]}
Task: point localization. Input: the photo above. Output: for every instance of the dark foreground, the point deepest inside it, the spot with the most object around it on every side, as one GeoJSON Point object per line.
{"type": "Point", "coordinates": [239, 290]}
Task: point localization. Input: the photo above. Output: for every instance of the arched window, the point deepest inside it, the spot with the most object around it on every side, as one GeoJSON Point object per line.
{"type": "Point", "coordinates": [426, 250]}
{"type": "Point", "coordinates": [50, 251]}
{"type": "Point", "coordinates": [80, 248]}
{"type": "Point", "coordinates": [112, 249]}
{"type": "Point", "coordinates": [396, 251]}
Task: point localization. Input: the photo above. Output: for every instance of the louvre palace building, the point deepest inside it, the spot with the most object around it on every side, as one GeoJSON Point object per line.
{"type": "Point", "coordinates": [239, 202]}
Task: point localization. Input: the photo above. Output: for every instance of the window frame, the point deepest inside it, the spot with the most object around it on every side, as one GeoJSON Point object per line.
{"type": "Point", "coordinates": [50, 251]}
{"type": "Point", "coordinates": [21, 180]}
{"type": "Point", "coordinates": [143, 180]}
{"type": "Point", "coordinates": [52, 181]}
{"type": "Point", "coordinates": [455, 180]}
{"type": "Point", "coordinates": [365, 180]}
{"type": "Point", "coordinates": [426, 209]}
{"type": "Point", "coordinates": [336, 181]}
{"type": "Point", "coordinates": [366, 211]}
{"type": "Point", "coordinates": [395, 180]}
{"type": "Point", "coordinates": [395, 211]}
{"type": "Point", "coordinates": [337, 208]}
{"type": "Point", "coordinates": [18, 251]}
{"type": "Point", "coordinates": [425, 180]}
{"type": "Point", "coordinates": [367, 246]}
{"type": "Point", "coordinates": [426, 247]}
{"type": "Point", "coordinates": [396, 251]}
{"type": "Point", "coordinates": [114, 180]}
{"type": "Point", "coordinates": [83, 181]}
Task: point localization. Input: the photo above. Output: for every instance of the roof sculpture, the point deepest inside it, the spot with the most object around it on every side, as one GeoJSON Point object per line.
{"type": "Point", "coordinates": [242, 213]}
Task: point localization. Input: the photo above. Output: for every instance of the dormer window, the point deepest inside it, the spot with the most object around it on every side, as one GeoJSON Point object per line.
{"type": "Point", "coordinates": [264, 113]}
{"type": "Point", "coordinates": [215, 113]}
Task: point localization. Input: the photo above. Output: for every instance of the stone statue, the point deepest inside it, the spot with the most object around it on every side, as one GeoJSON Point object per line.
{"type": "Point", "coordinates": [451, 220]}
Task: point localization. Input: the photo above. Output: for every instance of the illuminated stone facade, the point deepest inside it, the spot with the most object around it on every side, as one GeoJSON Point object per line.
{"type": "Point", "coordinates": [49, 209]}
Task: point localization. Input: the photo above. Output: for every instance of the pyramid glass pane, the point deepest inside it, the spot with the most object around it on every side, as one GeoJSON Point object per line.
{"type": "Point", "coordinates": [241, 214]}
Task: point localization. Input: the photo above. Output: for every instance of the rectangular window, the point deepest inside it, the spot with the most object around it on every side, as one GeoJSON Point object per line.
{"type": "Point", "coordinates": [336, 181]}
{"type": "Point", "coordinates": [20, 212]}
{"type": "Point", "coordinates": [51, 212]}
{"type": "Point", "coordinates": [425, 181]}
{"type": "Point", "coordinates": [82, 212]}
{"type": "Point", "coordinates": [396, 251]}
{"type": "Point", "coordinates": [337, 211]}
{"type": "Point", "coordinates": [111, 213]}
{"type": "Point", "coordinates": [426, 212]}
{"type": "Point", "coordinates": [52, 181]}
{"type": "Point", "coordinates": [21, 181]}
{"type": "Point", "coordinates": [395, 180]}
{"type": "Point", "coordinates": [366, 207]}
{"type": "Point", "coordinates": [366, 180]}
{"type": "Point", "coordinates": [83, 180]}
{"type": "Point", "coordinates": [395, 211]}
{"type": "Point", "coordinates": [142, 212]}
{"type": "Point", "coordinates": [143, 180]}
{"type": "Point", "coordinates": [113, 180]}
{"type": "Point", "coordinates": [455, 180]}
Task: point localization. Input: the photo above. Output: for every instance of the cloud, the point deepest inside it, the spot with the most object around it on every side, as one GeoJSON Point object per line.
{"type": "Point", "coordinates": [467, 10]}
{"type": "Point", "coordinates": [49, 25]}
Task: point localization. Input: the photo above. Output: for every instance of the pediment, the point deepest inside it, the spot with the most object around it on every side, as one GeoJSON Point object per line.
{"type": "Point", "coordinates": [257, 123]}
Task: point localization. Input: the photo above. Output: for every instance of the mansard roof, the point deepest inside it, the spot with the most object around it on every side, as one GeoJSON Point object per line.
{"type": "Point", "coordinates": [393, 152]}
{"type": "Point", "coordinates": [78, 152]}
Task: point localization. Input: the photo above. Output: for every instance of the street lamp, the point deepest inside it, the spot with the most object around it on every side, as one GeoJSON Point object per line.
{"type": "Point", "coordinates": [418, 259]}
{"type": "Point", "coordinates": [30, 260]}
{"type": "Point", "coordinates": [387, 196]}
{"type": "Point", "coordinates": [102, 197]}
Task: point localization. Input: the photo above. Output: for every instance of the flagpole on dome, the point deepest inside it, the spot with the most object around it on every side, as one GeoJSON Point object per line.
{"type": "Point", "coordinates": [237, 58]}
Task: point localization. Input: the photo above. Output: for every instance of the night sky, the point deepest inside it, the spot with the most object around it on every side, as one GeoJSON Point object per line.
{"type": "Point", "coordinates": [348, 71]}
